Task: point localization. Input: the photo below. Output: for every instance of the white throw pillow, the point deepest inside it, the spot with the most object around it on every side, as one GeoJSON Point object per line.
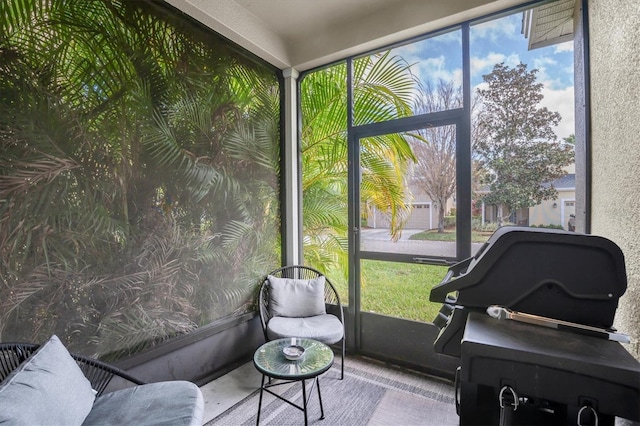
{"type": "Point", "coordinates": [296, 298]}
{"type": "Point", "coordinates": [47, 389]}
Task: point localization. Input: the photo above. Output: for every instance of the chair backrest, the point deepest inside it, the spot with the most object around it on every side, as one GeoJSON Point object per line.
{"type": "Point", "coordinates": [97, 372]}
{"type": "Point", "coordinates": [331, 296]}
{"type": "Point", "coordinates": [12, 355]}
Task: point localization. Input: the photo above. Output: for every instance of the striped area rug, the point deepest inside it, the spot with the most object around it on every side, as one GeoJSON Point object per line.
{"type": "Point", "coordinates": [370, 394]}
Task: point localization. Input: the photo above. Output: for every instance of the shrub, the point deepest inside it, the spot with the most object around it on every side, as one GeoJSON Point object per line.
{"type": "Point", "coordinates": [449, 221]}
{"type": "Point", "coordinates": [477, 225]}
{"type": "Point", "coordinates": [550, 226]}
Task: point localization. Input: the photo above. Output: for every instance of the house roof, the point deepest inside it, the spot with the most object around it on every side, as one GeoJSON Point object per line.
{"type": "Point", "coordinates": [566, 182]}
{"type": "Point", "coordinates": [549, 24]}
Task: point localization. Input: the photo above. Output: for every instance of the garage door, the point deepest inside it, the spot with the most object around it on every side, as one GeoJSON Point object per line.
{"type": "Point", "coordinates": [420, 216]}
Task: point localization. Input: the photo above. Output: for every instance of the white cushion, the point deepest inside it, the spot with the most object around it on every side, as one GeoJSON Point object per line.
{"type": "Point", "coordinates": [325, 328]}
{"type": "Point", "coordinates": [293, 298]}
{"type": "Point", "coordinates": [47, 389]}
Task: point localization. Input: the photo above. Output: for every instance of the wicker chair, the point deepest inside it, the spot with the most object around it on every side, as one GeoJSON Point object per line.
{"type": "Point", "coordinates": [331, 299]}
{"type": "Point", "coordinates": [97, 372]}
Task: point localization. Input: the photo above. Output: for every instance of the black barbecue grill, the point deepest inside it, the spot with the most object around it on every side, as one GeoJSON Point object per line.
{"type": "Point", "coordinates": [552, 273]}
{"type": "Point", "coordinates": [555, 277]}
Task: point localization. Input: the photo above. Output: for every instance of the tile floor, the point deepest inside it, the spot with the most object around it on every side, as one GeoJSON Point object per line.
{"type": "Point", "coordinates": [226, 391]}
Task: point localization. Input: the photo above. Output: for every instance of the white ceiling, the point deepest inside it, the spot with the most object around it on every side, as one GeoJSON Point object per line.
{"type": "Point", "coordinates": [292, 18]}
{"type": "Point", "coordinates": [303, 34]}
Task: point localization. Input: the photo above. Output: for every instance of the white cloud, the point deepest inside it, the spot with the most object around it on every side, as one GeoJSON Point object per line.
{"type": "Point", "coordinates": [543, 61]}
{"type": "Point", "coordinates": [543, 64]}
{"type": "Point", "coordinates": [512, 60]}
{"type": "Point", "coordinates": [435, 63]}
{"type": "Point", "coordinates": [562, 101]}
{"type": "Point", "coordinates": [567, 46]}
{"type": "Point", "coordinates": [481, 86]}
{"type": "Point", "coordinates": [408, 50]}
{"type": "Point", "coordinates": [484, 65]}
{"type": "Point", "coordinates": [434, 69]}
{"type": "Point", "coordinates": [496, 30]}
{"type": "Point", "coordinates": [453, 35]}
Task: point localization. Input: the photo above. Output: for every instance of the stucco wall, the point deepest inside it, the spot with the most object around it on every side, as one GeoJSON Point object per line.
{"type": "Point", "coordinates": [615, 115]}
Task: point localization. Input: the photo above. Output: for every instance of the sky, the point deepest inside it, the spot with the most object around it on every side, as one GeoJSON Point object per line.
{"type": "Point", "coordinates": [492, 42]}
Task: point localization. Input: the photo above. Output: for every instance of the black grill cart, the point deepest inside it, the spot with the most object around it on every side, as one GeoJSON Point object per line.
{"type": "Point", "coordinates": [513, 372]}
{"type": "Point", "coordinates": [557, 377]}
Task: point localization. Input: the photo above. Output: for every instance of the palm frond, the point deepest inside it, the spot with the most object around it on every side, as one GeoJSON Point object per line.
{"type": "Point", "coordinates": [130, 331]}
{"type": "Point", "coordinates": [138, 184]}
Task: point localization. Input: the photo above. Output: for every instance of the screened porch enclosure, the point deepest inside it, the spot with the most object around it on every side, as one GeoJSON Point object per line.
{"type": "Point", "coordinates": [152, 172]}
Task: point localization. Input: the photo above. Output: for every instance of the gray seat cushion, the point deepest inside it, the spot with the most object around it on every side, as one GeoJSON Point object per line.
{"type": "Point", "coordinates": [325, 328]}
{"type": "Point", "coordinates": [163, 403]}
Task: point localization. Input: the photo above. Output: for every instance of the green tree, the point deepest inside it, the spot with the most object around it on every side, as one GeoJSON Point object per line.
{"type": "Point", "coordinates": [517, 147]}
{"type": "Point", "coordinates": [382, 91]}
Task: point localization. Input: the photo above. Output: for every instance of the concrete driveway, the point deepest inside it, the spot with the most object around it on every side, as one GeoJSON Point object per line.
{"type": "Point", "coordinates": [379, 240]}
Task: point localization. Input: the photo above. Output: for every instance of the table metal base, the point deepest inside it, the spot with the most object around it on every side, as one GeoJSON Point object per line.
{"type": "Point", "coordinates": [265, 388]}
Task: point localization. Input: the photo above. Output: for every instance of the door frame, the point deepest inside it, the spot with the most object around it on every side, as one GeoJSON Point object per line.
{"type": "Point", "coordinates": [395, 339]}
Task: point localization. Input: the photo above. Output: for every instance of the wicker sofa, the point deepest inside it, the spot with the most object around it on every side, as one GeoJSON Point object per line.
{"type": "Point", "coordinates": [48, 385]}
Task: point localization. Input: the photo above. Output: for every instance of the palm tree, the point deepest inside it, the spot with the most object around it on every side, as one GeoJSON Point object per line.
{"type": "Point", "coordinates": [382, 91]}
{"type": "Point", "coordinates": [138, 181]}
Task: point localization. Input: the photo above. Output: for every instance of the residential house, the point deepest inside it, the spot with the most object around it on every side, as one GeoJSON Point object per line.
{"type": "Point", "coordinates": [556, 212]}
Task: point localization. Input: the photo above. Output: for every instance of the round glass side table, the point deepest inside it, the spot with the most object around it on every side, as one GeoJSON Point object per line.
{"type": "Point", "coordinates": [270, 360]}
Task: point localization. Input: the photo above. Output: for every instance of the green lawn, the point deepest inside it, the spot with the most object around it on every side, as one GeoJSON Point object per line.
{"type": "Point", "coordinates": [449, 235]}
{"type": "Point", "coordinates": [402, 289]}
{"type": "Point", "coordinates": [396, 289]}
